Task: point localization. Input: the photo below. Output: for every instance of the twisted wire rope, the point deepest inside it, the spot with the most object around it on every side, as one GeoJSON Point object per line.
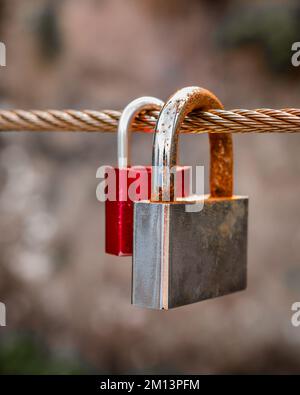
{"type": "Point", "coordinates": [263, 120]}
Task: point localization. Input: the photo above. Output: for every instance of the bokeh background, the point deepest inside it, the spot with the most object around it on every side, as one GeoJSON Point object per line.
{"type": "Point", "coordinates": [68, 304]}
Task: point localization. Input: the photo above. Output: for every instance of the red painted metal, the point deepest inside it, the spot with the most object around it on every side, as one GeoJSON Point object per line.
{"type": "Point", "coordinates": [119, 214]}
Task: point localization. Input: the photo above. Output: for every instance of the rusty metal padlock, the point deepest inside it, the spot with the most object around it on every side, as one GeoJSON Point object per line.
{"type": "Point", "coordinates": [184, 256]}
{"type": "Point", "coordinates": [119, 211]}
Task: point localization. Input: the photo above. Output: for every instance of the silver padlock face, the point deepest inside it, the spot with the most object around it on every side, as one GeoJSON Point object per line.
{"type": "Point", "coordinates": [184, 257]}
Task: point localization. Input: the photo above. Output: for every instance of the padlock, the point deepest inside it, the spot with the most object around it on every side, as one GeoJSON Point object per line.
{"type": "Point", "coordinates": [181, 255]}
{"type": "Point", "coordinates": [119, 211]}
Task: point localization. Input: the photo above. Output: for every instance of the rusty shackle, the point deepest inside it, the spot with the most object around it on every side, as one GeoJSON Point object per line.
{"type": "Point", "coordinates": [165, 145]}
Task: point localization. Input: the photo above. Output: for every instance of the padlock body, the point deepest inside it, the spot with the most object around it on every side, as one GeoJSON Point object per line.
{"type": "Point", "coordinates": [119, 210]}
{"type": "Point", "coordinates": [184, 257]}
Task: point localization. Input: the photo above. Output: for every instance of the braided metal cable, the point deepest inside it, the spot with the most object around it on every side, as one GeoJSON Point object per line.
{"type": "Point", "coordinates": [262, 120]}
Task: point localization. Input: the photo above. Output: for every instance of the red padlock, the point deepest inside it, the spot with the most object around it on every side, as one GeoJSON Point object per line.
{"type": "Point", "coordinates": [132, 183]}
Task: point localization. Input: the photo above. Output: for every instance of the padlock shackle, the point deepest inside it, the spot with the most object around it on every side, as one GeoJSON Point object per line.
{"type": "Point", "coordinates": [165, 144]}
{"type": "Point", "coordinates": [126, 119]}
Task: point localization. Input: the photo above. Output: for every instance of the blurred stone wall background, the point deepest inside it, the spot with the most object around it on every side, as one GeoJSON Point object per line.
{"type": "Point", "coordinates": [68, 304]}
